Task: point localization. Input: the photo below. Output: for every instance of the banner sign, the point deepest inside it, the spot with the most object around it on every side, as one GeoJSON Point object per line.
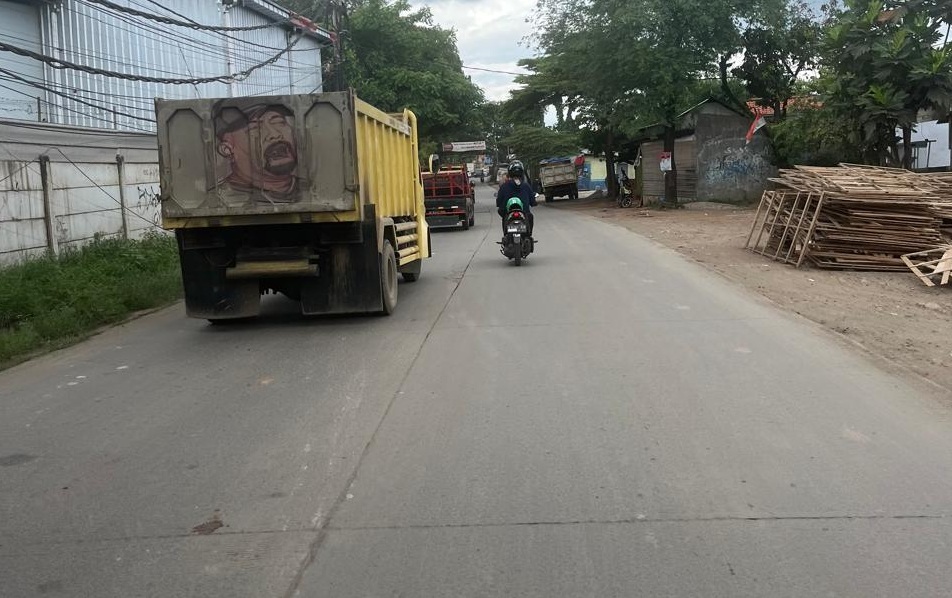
{"type": "Point", "coordinates": [465, 146]}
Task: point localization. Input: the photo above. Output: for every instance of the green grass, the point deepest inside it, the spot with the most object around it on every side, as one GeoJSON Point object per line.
{"type": "Point", "coordinates": [49, 302]}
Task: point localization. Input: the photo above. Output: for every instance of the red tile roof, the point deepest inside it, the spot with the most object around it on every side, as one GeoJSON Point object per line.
{"type": "Point", "coordinates": [757, 110]}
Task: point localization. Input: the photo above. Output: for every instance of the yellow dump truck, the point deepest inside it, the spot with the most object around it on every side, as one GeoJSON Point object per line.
{"type": "Point", "coordinates": [316, 196]}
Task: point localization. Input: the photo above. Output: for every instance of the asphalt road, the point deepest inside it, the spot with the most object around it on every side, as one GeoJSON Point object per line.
{"type": "Point", "coordinates": [607, 420]}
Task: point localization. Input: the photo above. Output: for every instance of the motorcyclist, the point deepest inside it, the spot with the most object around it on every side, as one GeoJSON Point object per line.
{"type": "Point", "coordinates": [516, 186]}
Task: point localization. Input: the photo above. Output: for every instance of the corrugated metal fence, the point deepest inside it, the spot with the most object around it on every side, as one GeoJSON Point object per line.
{"type": "Point", "coordinates": [65, 186]}
{"type": "Point", "coordinates": [88, 34]}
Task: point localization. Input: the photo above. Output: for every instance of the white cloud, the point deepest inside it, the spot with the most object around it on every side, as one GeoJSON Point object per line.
{"type": "Point", "coordinates": [490, 34]}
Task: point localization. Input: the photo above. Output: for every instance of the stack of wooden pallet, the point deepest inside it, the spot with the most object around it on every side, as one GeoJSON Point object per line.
{"type": "Point", "coordinates": [852, 217]}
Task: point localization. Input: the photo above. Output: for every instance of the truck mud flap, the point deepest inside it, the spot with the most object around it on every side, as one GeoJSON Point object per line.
{"type": "Point", "coordinates": [349, 281]}
{"type": "Point", "coordinates": [208, 294]}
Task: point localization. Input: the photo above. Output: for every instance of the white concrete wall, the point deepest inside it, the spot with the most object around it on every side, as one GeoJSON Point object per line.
{"type": "Point", "coordinates": [83, 192]}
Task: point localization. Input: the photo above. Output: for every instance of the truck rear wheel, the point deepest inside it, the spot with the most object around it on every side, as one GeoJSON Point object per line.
{"type": "Point", "coordinates": [388, 278]}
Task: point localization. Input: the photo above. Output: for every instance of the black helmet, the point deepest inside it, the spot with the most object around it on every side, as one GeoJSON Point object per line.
{"type": "Point", "coordinates": [517, 170]}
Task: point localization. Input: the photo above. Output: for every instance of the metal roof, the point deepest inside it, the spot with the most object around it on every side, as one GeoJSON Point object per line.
{"type": "Point", "coordinates": [279, 13]}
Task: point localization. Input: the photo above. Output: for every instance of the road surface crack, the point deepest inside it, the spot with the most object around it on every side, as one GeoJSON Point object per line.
{"type": "Point", "coordinates": [321, 529]}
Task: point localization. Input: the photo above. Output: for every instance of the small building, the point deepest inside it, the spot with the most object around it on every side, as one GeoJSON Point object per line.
{"type": "Point", "coordinates": [592, 174]}
{"type": "Point", "coordinates": [714, 162]}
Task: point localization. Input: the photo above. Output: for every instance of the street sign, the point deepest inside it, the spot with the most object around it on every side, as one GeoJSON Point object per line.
{"type": "Point", "coordinates": [465, 146]}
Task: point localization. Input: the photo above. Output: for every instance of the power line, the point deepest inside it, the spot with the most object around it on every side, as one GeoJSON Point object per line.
{"type": "Point", "coordinates": [189, 24]}
{"type": "Point", "coordinates": [146, 102]}
{"type": "Point", "coordinates": [206, 48]}
{"type": "Point", "coordinates": [221, 33]}
{"type": "Point", "coordinates": [17, 171]}
{"type": "Point", "coordinates": [477, 68]}
{"type": "Point", "coordinates": [68, 109]}
{"type": "Point", "coordinates": [198, 48]}
{"type": "Point", "coordinates": [67, 65]}
{"type": "Point", "coordinates": [74, 99]}
{"type": "Point", "coordinates": [101, 188]}
{"type": "Point", "coordinates": [96, 55]}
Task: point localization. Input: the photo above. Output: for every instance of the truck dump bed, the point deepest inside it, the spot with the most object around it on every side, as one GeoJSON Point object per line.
{"type": "Point", "coordinates": [446, 183]}
{"type": "Point", "coordinates": [556, 173]}
{"type": "Point", "coordinates": [285, 159]}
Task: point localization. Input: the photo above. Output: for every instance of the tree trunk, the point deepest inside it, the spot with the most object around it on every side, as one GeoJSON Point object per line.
{"type": "Point", "coordinates": [726, 89]}
{"type": "Point", "coordinates": [907, 147]}
{"type": "Point", "coordinates": [611, 183]}
{"type": "Point", "coordinates": [670, 177]}
{"type": "Point", "coordinates": [559, 114]}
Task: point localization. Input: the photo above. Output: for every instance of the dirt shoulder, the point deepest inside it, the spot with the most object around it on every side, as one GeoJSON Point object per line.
{"type": "Point", "coordinates": [891, 314]}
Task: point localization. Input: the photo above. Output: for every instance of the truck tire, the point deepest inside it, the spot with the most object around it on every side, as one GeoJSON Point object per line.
{"type": "Point", "coordinates": [465, 222]}
{"type": "Point", "coordinates": [549, 198]}
{"type": "Point", "coordinates": [388, 278]}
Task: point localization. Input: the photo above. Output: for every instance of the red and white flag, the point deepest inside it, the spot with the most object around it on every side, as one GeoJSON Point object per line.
{"type": "Point", "coordinates": [755, 126]}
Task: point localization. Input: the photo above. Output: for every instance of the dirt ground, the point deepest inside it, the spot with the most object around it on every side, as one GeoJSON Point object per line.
{"type": "Point", "coordinates": [891, 314]}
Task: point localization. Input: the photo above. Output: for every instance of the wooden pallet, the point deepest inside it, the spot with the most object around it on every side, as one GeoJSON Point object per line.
{"type": "Point", "coordinates": [868, 219]}
{"type": "Point", "coordinates": [784, 224]}
{"type": "Point", "coordinates": [938, 260]}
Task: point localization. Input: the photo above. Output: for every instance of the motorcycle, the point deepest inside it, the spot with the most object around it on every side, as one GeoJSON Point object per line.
{"type": "Point", "coordinates": [625, 194]}
{"type": "Point", "coordinates": [517, 242]}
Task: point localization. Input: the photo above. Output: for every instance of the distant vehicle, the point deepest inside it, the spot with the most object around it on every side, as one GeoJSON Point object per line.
{"type": "Point", "coordinates": [559, 178]}
{"type": "Point", "coordinates": [449, 198]}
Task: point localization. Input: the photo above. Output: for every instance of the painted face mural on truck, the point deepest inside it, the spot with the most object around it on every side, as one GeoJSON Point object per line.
{"type": "Point", "coordinates": [259, 147]}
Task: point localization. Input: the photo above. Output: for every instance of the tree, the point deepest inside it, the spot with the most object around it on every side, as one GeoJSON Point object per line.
{"type": "Point", "coordinates": [396, 57]}
{"type": "Point", "coordinates": [889, 61]}
{"type": "Point", "coordinates": [776, 53]}
{"type": "Point", "coordinates": [399, 59]}
{"type": "Point", "coordinates": [639, 62]}
{"type": "Point", "coordinates": [813, 135]}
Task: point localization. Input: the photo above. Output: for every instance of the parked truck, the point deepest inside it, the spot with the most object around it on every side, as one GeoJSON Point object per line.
{"type": "Point", "coordinates": [449, 197]}
{"type": "Point", "coordinates": [559, 178]}
{"type": "Point", "coordinates": [315, 196]}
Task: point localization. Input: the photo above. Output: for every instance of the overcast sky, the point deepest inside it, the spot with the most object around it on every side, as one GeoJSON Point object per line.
{"type": "Point", "coordinates": [490, 34]}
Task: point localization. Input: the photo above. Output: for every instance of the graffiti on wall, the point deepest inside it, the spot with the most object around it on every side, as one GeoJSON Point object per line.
{"type": "Point", "coordinates": [260, 155]}
{"type": "Point", "coordinates": [149, 201]}
{"type": "Point", "coordinates": [731, 170]}
{"type": "Point", "coordinates": [733, 166]}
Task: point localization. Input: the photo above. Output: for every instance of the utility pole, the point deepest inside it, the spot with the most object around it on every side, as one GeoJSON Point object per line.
{"type": "Point", "coordinates": [336, 16]}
